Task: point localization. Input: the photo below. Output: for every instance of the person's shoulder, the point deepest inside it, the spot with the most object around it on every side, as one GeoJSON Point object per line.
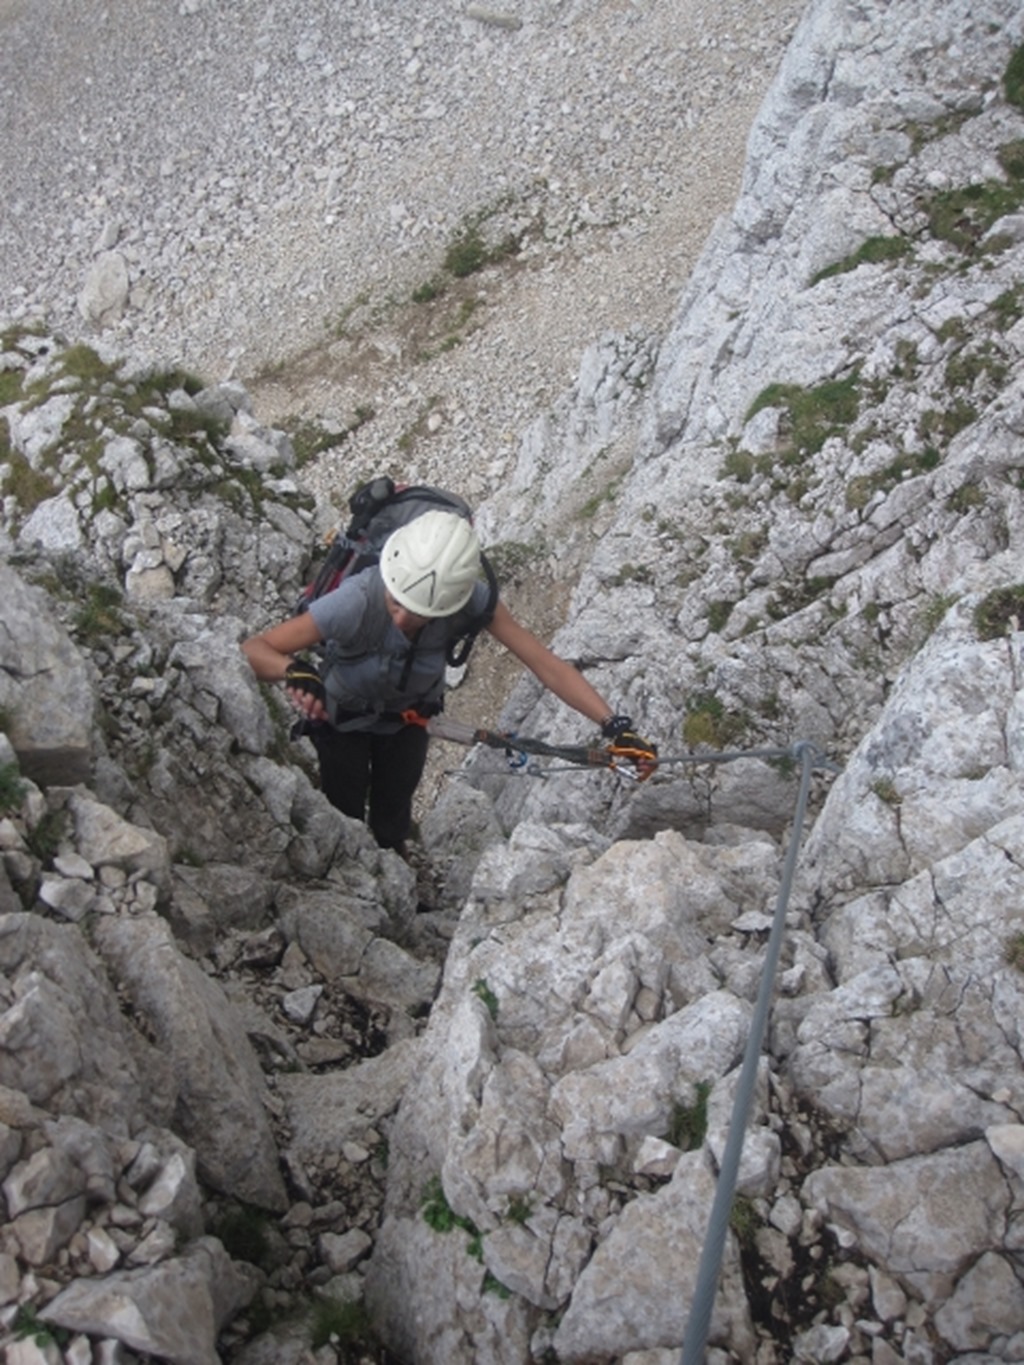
{"type": "Point", "coordinates": [351, 598]}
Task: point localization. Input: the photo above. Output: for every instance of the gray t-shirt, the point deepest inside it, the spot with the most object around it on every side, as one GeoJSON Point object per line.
{"type": "Point", "coordinates": [369, 665]}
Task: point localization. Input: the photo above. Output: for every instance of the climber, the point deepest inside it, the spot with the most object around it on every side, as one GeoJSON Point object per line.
{"type": "Point", "coordinates": [385, 633]}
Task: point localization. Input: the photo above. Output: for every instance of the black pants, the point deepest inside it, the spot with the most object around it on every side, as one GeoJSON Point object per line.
{"type": "Point", "coordinates": [373, 777]}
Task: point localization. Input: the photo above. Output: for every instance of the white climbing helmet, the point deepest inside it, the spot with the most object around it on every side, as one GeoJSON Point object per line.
{"type": "Point", "coordinates": [430, 566]}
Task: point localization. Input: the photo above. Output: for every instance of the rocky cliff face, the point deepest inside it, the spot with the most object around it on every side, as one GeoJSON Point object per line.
{"type": "Point", "coordinates": [487, 1104]}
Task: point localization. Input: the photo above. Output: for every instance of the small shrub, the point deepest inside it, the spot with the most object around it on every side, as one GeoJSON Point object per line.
{"type": "Point", "coordinates": [439, 1214]}
{"type": "Point", "coordinates": [1011, 157]}
{"type": "Point", "coordinates": [467, 254]}
{"type": "Point", "coordinates": [719, 613]}
{"type": "Point", "coordinates": [1008, 308]}
{"type": "Point", "coordinates": [593, 505]}
{"type": "Point", "coordinates": [965, 498]}
{"type": "Point", "coordinates": [1013, 78]}
{"type": "Point", "coordinates": [519, 1209]}
{"type": "Point", "coordinates": [512, 560]}
{"type": "Point", "coordinates": [1000, 611]}
{"type": "Point", "coordinates": [632, 573]}
{"type": "Point", "coordinates": [738, 465]}
{"type": "Point", "coordinates": [859, 492]}
{"type": "Point", "coordinates": [99, 616]}
{"type": "Point", "coordinates": [743, 1221]}
{"type": "Point", "coordinates": [12, 788]}
{"type": "Point", "coordinates": [749, 544]}
{"type": "Point", "coordinates": [428, 292]}
{"type": "Point", "coordinates": [688, 1125]}
{"type": "Point", "coordinates": [243, 1232]}
{"type": "Point", "coordinates": [44, 840]}
{"type": "Point", "coordinates": [481, 989]}
{"type": "Point", "coordinates": [796, 595]}
{"type": "Point", "coordinates": [28, 1326]}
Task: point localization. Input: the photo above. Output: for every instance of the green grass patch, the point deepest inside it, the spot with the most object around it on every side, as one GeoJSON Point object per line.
{"type": "Point", "coordinates": [83, 363]}
{"type": "Point", "coordinates": [811, 415]}
{"type": "Point", "coordinates": [982, 365]}
{"type": "Point", "coordinates": [519, 1209]}
{"type": "Point", "coordinates": [794, 596]}
{"type": "Point", "coordinates": [29, 487]}
{"type": "Point", "coordinates": [467, 253]}
{"type": "Point", "coordinates": [311, 438]}
{"type": "Point", "coordinates": [342, 1323]}
{"type": "Point", "coordinates": [593, 505]}
{"type": "Point", "coordinates": [514, 560]}
{"type": "Point", "coordinates": [10, 386]}
{"type": "Point", "coordinates": [963, 216]}
{"type": "Point", "coordinates": [1013, 952]}
{"type": "Point", "coordinates": [942, 424]}
{"type": "Point", "coordinates": [966, 498]}
{"type": "Point", "coordinates": [738, 465]}
{"type": "Point", "coordinates": [873, 251]}
{"type": "Point", "coordinates": [1000, 612]}
{"type": "Point", "coordinates": [934, 613]}
{"type": "Point", "coordinates": [492, 1285]}
{"type": "Point", "coordinates": [863, 487]}
{"type": "Point", "coordinates": [430, 291]}
{"type": "Point", "coordinates": [1008, 308]}
{"type": "Point", "coordinates": [98, 617]}
{"type": "Point", "coordinates": [887, 791]}
{"type": "Point", "coordinates": [709, 723]}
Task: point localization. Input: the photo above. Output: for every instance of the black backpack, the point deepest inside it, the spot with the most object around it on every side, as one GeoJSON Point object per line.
{"type": "Point", "coordinates": [378, 508]}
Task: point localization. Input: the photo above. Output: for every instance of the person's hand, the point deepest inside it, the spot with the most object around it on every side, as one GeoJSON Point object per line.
{"type": "Point", "coordinates": [305, 689]}
{"type": "Point", "coordinates": [624, 742]}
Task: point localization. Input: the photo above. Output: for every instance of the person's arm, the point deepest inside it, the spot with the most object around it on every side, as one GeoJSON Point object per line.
{"type": "Point", "coordinates": [557, 675]}
{"type": "Point", "coordinates": [270, 656]}
{"type": "Point", "coordinates": [569, 684]}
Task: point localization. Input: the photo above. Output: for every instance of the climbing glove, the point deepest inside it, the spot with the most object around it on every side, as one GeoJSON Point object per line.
{"type": "Point", "coordinates": [624, 741]}
{"type": "Point", "coordinates": [302, 676]}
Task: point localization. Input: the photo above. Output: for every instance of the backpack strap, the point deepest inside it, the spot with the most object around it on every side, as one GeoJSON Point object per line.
{"type": "Point", "coordinates": [460, 644]}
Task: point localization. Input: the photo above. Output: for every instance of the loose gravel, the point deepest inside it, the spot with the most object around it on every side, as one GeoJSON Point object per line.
{"type": "Point", "coordinates": [271, 184]}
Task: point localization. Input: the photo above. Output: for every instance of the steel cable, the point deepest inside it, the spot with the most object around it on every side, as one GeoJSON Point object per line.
{"type": "Point", "coordinates": [709, 1269]}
